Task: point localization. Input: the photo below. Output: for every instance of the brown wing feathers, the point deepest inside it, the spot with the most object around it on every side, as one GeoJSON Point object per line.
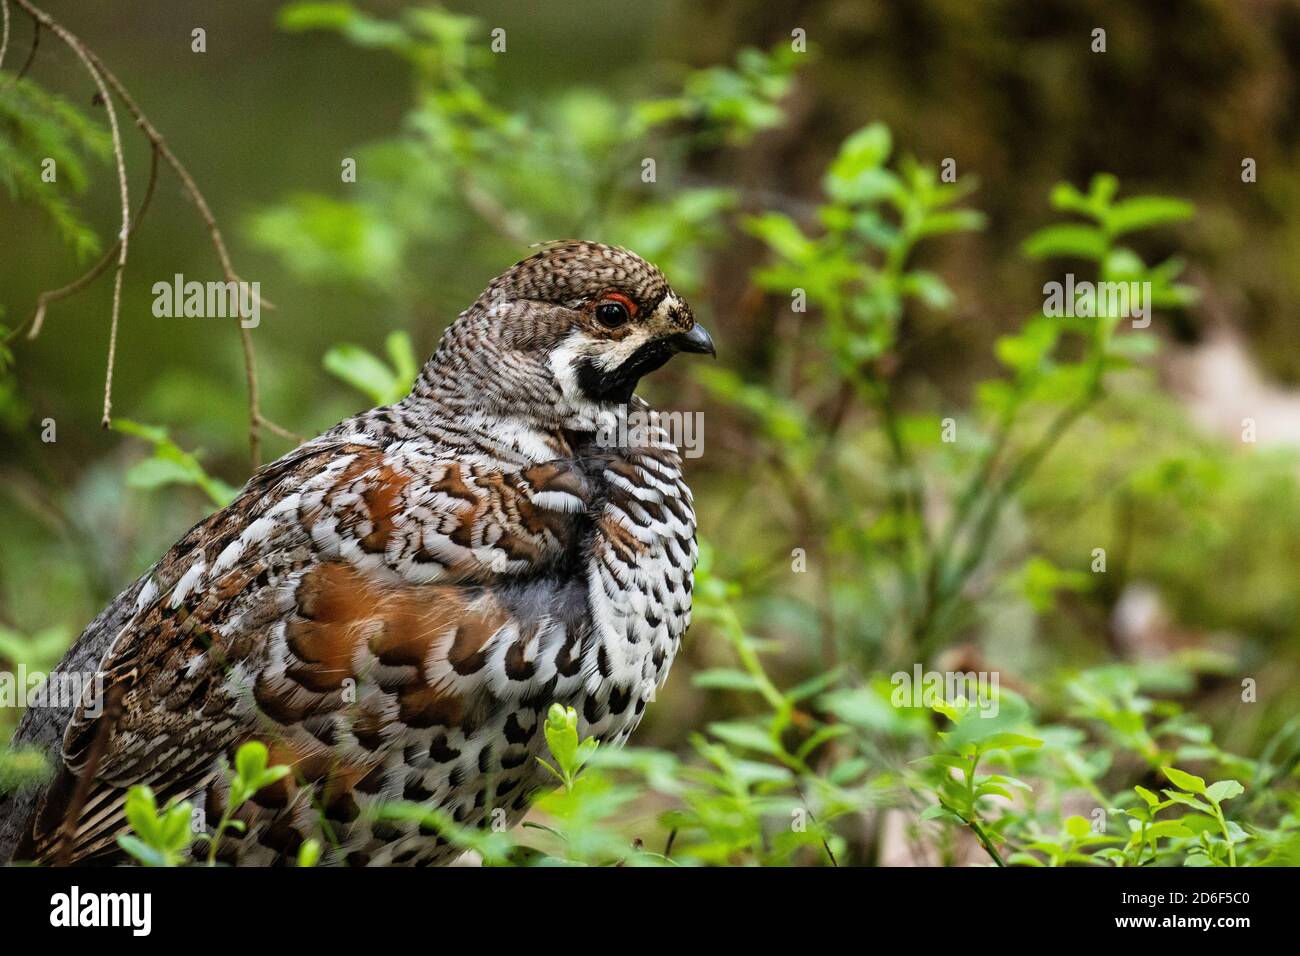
{"type": "Point", "coordinates": [340, 624]}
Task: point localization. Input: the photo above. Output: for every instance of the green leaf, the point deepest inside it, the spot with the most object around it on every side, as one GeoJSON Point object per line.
{"type": "Point", "coordinates": [950, 220]}
{"type": "Point", "coordinates": [314, 16]}
{"type": "Point", "coordinates": [960, 764]}
{"type": "Point", "coordinates": [1189, 801]}
{"type": "Point", "coordinates": [782, 234]}
{"type": "Point", "coordinates": [1009, 741]}
{"type": "Point", "coordinates": [250, 759]}
{"type": "Point", "coordinates": [309, 853]}
{"type": "Point", "coordinates": [156, 472]}
{"type": "Point", "coordinates": [1144, 212]}
{"type": "Point", "coordinates": [846, 771]}
{"type": "Point", "coordinates": [1077, 827]}
{"type": "Point", "coordinates": [726, 679]}
{"type": "Point", "coordinates": [856, 176]}
{"type": "Point", "coordinates": [745, 735]}
{"type": "Point", "coordinates": [1067, 240]}
{"type": "Point", "coordinates": [170, 464]}
{"type": "Point", "coordinates": [1224, 790]}
{"type": "Point", "coordinates": [1068, 199]}
{"type": "Point", "coordinates": [406, 364]}
{"type": "Point", "coordinates": [814, 685]}
{"type": "Point", "coordinates": [141, 851]}
{"type": "Point", "coordinates": [362, 371]}
{"type": "Point", "coordinates": [176, 826]}
{"type": "Point", "coordinates": [830, 732]}
{"type": "Point", "coordinates": [929, 288]}
{"type": "Point", "coordinates": [141, 810]}
{"type": "Point", "coordinates": [561, 731]}
{"type": "Point", "coordinates": [553, 772]}
{"type": "Point", "coordinates": [1102, 189]}
{"type": "Point", "coordinates": [1183, 780]}
{"type": "Point", "coordinates": [1150, 798]}
{"type": "Point", "coordinates": [938, 811]}
{"type": "Point", "coordinates": [1168, 828]}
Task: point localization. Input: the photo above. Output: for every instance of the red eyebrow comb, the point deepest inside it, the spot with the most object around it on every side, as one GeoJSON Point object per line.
{"type": "Point", "coordinates": [620, 297]}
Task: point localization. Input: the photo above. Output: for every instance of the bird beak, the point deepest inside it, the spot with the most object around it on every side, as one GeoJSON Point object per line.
{"type": "Point", "coordinates": [696, 340]}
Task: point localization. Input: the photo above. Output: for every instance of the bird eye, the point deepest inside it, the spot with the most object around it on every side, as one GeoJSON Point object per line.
{"type": "Point", "coordinates": [611, 314]}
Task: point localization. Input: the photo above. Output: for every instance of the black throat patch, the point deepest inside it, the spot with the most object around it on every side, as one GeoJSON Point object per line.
{"type": "Point", "coordinates": [619, 384]}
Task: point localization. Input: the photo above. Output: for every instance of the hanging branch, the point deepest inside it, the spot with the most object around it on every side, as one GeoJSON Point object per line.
{"type": "Point", "coordinates": [123, 192]}
{"type": "Point", "coordinates": [106, 81]}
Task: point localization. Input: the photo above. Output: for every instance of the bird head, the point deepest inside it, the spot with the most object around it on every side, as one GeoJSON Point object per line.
{"type": "Point", "coordinates": [576, 325]}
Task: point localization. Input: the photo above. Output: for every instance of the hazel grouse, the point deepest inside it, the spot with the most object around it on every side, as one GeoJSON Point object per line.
{"type": "Point", "coordinates": [392, 607]}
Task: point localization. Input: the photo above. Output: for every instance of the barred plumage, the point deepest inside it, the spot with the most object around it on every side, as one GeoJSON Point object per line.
{"type": "Point", "coordinates": [393, 606]}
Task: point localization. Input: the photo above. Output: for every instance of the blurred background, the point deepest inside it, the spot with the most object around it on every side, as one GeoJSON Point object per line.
{"type": "Point", "coordinates": [844, 537]}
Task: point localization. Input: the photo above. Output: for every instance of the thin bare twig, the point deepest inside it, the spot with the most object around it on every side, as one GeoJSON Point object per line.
{"type": "Point", "coordinates": [123, 190]}
{"type": "Point", "coordinates": [102, 76]}
{"type": "Point", "coordinates": [280, 430]}
{"type": "Point", "coordinates": [255, 417]}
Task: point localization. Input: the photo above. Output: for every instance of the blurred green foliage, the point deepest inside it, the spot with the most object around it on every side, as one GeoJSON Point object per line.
{"type": "Point", "coordinates": [44, 155]}
{"type": "Point", "coordinates": [857, 521]}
